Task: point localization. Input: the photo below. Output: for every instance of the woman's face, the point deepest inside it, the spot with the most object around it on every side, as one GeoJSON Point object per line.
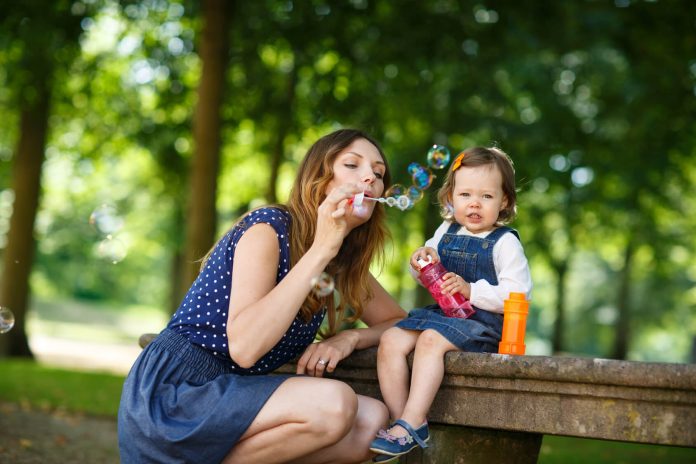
{"type": "Point", "coordinates": [360, 163]}
{"type": "Point", "coordinates": [478, 198]}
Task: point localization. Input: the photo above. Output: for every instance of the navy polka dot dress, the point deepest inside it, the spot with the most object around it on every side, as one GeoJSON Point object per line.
{"type": "Point", "coordinates": [185, 399]}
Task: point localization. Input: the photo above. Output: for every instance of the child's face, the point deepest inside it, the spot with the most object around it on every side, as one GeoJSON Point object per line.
{"type": "Point", "coordinates": [477, 197]}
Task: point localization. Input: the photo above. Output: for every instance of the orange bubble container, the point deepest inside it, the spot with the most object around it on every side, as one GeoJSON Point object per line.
{"type": "Point", "coordinates": [516, 309]}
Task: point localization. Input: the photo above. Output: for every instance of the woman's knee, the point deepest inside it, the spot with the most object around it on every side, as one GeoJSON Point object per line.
{"type": "Point", "coordinates": [336, 411]}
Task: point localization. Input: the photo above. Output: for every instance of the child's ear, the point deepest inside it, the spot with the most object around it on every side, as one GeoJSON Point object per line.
{"type": "Point", "coordinates": [504, 204]}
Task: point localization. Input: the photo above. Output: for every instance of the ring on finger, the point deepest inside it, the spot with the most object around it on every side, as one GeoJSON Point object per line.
{"type": "Point", "coordinates": [322, 362]}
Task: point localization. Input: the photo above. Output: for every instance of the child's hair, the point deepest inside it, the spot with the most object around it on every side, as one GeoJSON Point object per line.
{"type": "Point", "coordinates": [481, 156]}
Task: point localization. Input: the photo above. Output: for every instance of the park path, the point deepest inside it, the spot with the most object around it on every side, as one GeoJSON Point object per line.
{"type": "Point", "coordinates": [34, 436]}
{"type": "Point", "coordinates": [31, 436]}
{"type": "Point", "coordinates": [112, 357]}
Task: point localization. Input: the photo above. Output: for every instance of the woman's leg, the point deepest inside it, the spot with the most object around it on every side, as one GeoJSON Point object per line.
{"type": "Point", "coordinates": [392, 367]}
{"type": "Point", "coordinates": [428, 371]}
{"type": "Point", "coordinates": [311, 420]}
{"type": "Point", "coordinates": [355, 446]}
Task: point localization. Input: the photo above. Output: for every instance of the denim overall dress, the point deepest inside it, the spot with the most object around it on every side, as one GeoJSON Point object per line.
{"type": "Point", "coordinates": [471, 258]}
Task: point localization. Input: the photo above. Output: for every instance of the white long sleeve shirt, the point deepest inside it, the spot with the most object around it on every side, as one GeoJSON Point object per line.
{"type": "Point", "coordinates": [511, 267]}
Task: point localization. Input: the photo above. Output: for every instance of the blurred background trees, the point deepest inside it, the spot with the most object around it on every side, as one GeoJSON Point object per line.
{"type": "Point", "coordinates": [180, 115]}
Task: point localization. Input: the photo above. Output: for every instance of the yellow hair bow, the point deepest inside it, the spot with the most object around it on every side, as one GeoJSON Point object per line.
{"type": "Point", "coordinates": [456, 164]}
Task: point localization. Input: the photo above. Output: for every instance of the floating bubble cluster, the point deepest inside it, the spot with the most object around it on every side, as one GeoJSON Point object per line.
{"type": "Point", "coordinates": [7, 320]}
{"type": "Point", "coordinates": [404, 198]}
{"type": "Point", "coordinates": [107, 222]}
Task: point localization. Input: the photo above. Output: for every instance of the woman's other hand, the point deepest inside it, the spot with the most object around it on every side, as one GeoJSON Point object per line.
{"type": "Point", "coordinates": [324, 356]}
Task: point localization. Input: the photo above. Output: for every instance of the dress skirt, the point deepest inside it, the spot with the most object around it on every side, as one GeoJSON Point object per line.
{"type": "Point", "coordinates": [480, 332]}
{"type": "Point", "coordinates": [181, 404]}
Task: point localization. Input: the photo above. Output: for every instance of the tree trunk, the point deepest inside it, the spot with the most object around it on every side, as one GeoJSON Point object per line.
{"type": "Point", "coordinates": [202, 221]}
{"type": "Point", "coordinates": [284, 125]}
{"type": "Point", "coordinates": [558, 342]}
{"type": "Point", "coordinates": [19, 253]}
{"type": "Point", "coordinates": [622, 304]}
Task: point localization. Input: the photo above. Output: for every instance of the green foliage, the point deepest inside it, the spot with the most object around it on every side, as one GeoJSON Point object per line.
{"type": "Point", "coordinates": [594, 101]}
{"type": "Point", "coordinates": [30, 383]}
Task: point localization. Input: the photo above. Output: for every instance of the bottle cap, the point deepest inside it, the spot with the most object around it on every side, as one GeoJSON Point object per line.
{"type": "Point", "coordinates": [422, 263]}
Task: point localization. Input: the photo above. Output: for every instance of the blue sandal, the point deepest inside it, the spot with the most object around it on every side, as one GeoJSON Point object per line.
{"type": "Point", "coordinates": [390, 445]}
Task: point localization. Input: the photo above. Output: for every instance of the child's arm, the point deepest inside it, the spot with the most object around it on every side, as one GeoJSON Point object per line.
{"type": "Point", "coordinates": [513, 273]}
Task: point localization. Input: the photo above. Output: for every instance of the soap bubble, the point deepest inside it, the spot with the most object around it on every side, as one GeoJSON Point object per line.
{"type": "Point", "coordinates": [414, 194]}
{"type": "Point", "coordinates": [422, 177]}
{"type": "Point", "coordinates": [438, 157]}
{"type": "Point", "coordinates": [403, 203]}
{"type": "Point", "coordinates": [7, 320]}
{"type": "Point", "coordinates": [111, 249]}
{"type": "Point", "coordinates": [391, 201]}
{"type": "Point", "coordinates": [105, 219]}
{"type": "Point", "coordinates": [395, 190]}
{"type": "Point", "coordinates": [323, 285]}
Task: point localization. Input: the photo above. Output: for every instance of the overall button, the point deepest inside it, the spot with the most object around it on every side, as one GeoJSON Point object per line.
{"type": "Point", "coordinates": [485, 245]}
{"type": "Point", "coordinates": [446, 239]}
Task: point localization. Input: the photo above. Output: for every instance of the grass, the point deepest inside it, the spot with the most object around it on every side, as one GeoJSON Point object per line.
{"type": "Point", "coordinates": [29, 383]}
{"type": "Point", "coordinates": [566, 450]}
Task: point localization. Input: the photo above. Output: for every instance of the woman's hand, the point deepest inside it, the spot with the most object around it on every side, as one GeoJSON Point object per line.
{"type": "Point", "coordinates": [427, 254]}
{"type": "Point", "coordinates": [331, 218]}
{"type": "Point", "coordinates": [453, 283]}
{"type": "Point", "coordinates": [325, 355]}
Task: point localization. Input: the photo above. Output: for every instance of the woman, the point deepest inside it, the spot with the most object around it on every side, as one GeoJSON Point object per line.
{"type": "Point", "coordinates": [201, 391]}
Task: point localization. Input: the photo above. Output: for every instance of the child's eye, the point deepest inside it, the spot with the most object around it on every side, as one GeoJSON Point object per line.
{"type": "Point", "coordinates": [379, 175]}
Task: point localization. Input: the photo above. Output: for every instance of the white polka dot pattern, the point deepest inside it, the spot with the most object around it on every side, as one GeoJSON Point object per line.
{"type": "Point", "coordinates": [202, 315]}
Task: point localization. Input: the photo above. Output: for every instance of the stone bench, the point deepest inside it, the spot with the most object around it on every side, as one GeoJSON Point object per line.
{"type": "Point", "coordinates": [496, 408]}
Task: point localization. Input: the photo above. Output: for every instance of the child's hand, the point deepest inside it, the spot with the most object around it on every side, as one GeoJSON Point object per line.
{"type": "Point", "coordinates": [452, 283]}
{"type": "Point", "coordinates": [427, 254]}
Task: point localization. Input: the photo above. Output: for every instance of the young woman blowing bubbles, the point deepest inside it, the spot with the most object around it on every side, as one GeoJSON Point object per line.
{"type": "Point", "coordinates": [202, 390]}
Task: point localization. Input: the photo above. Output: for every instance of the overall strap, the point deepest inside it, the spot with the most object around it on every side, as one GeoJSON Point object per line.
{"type": "Point", "coordinates": [453, 228]}
{"type": "Point", "coordinates": [500, 231]}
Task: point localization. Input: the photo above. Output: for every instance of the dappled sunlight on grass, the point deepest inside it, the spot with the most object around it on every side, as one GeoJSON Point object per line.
{"type": "Point", "coordinates": [92, 321]}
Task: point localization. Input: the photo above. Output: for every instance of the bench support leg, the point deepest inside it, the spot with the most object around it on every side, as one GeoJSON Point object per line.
{"type": "Point", "coordinates": [468, 445]}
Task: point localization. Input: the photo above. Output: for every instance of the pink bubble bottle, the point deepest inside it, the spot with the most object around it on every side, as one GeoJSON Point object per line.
{"type": "Point", "coordinates": [452, 305]}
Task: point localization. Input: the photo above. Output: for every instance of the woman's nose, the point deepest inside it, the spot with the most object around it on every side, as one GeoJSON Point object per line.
{"type": "Point", "coordinates": [369, 178]}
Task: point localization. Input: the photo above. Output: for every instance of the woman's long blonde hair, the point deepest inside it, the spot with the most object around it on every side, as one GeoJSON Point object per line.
{"type": "Point", "coordinates": [351, 266]}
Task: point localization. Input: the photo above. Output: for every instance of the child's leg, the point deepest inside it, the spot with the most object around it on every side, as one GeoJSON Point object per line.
{"type": "Point", "coordinates": [428, 371]}
{"type": "Point", "coordinates": [392, 367]}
